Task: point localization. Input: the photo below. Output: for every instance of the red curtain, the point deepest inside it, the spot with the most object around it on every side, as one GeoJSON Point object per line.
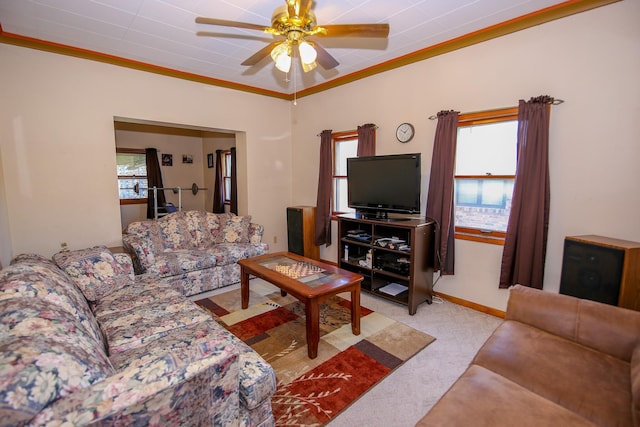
{"type": "Point", "coordinates": [323, 202]}
{"type": "Point", "coordinates": [525, 244]}
{"type": "Point", "coordinates": [440, 196]}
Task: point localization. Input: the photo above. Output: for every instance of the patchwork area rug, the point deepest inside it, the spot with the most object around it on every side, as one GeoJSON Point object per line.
{"type": "Point", "coordinates": [313, 391]}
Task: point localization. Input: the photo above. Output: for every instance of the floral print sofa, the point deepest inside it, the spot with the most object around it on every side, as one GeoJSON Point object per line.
{"type": "Point", "coordinates": [194, 251]}
{"type": "Point", "coordinates": [85, 342]}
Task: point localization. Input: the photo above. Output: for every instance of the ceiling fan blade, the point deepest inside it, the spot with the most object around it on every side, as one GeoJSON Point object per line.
{"type": "Point", "coordinates": [262, 53]}
{"type": "Point", "coordinates": [225, 23]}
{"type": "Point", "coordinates": [354, 30]}
{"type": "Point", "coordinates": [324, 58]}
{"type": "Point", "coordinates": [234, 36]}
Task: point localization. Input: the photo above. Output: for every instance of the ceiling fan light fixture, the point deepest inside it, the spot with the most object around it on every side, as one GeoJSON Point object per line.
{"type": "Point", "coordinates": [282, 57]}
{"type": "Point", "coordinates": [308, 67]}
{"type": "Point", "coordinates": [308, 54]}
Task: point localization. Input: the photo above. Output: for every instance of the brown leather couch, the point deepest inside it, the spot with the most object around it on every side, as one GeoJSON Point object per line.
{"type": "Point", "coordinates": [556, 360]}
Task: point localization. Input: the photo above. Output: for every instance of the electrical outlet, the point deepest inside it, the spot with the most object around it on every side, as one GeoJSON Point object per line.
{"type": "Point", "coordinates": [275, 239]}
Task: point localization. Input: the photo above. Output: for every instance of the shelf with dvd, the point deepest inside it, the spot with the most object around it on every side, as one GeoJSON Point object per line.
{"type": "Point", "coordinates": [395, 258]}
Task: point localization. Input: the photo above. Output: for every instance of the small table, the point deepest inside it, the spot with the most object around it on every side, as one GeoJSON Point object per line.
{"type": "Point", "coordinates": [310, 281]}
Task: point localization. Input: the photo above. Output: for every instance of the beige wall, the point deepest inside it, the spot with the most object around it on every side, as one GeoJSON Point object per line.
{"type": "Point", "coordinates": [57, 145]}
{"type": "Point", "coordinates": [57, 137]}
{"type": "Point", "coordinates": [590, 60]}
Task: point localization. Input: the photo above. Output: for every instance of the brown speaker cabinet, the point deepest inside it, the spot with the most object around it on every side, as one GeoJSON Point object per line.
{"type": "Point", "coordinates": [301, 230]}
{"type": "Point", "coordinates": [629, 291]}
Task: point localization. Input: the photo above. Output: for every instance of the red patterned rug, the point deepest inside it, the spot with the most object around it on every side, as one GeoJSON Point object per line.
{"type": "Point", "coordinates": [313, 391]}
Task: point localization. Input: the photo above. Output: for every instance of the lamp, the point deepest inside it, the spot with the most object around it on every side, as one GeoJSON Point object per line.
{"type": "Point", "coordinates": [308, 54]}
{"type": "Point", "coordinates": [281, 55]}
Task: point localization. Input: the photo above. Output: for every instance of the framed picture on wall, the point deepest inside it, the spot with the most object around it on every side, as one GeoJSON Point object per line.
{"type": "Point", "coordinates": [187, 158]}
{"type": "Point", "coordinates": [210, 160]}
{"type": "Point", "coordinates": [167, 159]}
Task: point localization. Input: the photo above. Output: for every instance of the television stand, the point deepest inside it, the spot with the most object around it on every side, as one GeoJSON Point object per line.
{"type": "Point", "coordinates": [395, 258]}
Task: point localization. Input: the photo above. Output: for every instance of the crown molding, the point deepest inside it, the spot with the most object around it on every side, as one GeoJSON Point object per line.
{"type": "Point", "coordinates": [561, 10]}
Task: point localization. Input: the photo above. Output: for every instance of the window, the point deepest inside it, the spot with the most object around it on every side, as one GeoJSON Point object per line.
{"type": "Point", "coordinates": [226, 173]}
{"type": "Point", "coordinates": [345, 145]}
{"type": "Point", "coordinates": [132, 175]}
{"type": "Point", "coordinates": [484, 174]}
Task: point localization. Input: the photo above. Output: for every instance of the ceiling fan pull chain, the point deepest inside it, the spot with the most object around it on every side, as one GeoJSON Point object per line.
{"type": "Point", "coordinates": [295, 85]}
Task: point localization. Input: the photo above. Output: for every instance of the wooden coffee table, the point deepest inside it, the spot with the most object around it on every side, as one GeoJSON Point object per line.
{"type": "Point", "coordinates": [310, 281]}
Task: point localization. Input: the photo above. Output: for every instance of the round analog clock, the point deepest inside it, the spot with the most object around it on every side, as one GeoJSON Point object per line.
{"type": "Point", "coordinates": [405, 132]}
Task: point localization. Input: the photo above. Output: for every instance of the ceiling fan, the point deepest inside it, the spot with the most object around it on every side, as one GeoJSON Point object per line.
{"type": "Point", "coordinates": [296, 22]}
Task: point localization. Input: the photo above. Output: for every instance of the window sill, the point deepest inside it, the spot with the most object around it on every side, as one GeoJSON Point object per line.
{"type": "Point", "coordinates": [133, 201]}
{"type": "Point", "coordinates": [475, 235]}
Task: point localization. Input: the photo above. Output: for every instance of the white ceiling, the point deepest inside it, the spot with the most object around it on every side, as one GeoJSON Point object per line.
{"type": "Point", "coordinates": [163, 32]}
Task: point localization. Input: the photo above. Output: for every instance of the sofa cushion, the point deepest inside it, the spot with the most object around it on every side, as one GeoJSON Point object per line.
{"type": "Point", "coordinates": [94, 270]}
{"type": "Point", "coordinates": [482, 398]}
{"type": "Point", "coordinates": [144, 292]}
{"type": "Point", "coordinates": [592, 384]}
{"type": "Point", "coordinates": [203, 227]}
{"type": "Point", "coordinates": [181, 261]}
{"type": "Point", "coordinates": [235, 229]}
{"type": "Point", "coordinates": [38, 277]}
{"type": "Point", "coordinates": [635, 385]}
{"type": "Point", "coordinates": [138, 325]}
{"type": "Point", "coordinates": [175, 232]}
{"type": "Point", "coordinates": [44, 354]}
{"type": "Point", "coordinates": [231, 253]}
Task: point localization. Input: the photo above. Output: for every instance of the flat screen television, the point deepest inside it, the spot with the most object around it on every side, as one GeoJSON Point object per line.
{"type": "Point", "coordinates": [378, 185]}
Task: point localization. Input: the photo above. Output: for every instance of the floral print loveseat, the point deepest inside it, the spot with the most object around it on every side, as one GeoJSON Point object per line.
{"type": "Point", "coordinates": [85, 342]}
{"type": "Point", "coordinates": [194, 251]}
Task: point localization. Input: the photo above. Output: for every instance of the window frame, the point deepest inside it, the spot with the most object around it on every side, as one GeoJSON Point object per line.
{"type": "Point", "coordinates": [336, 138]}
{"type": "Point", "coordinates": [226, 175]}
{"type": "Point", "coordinates": [140, 201]}
{"type": "Point", "coordinates": [474, 119]}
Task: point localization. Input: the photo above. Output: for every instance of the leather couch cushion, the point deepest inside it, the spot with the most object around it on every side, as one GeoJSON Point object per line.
{"type": "Point", "coordinates": [590, 383]}
{"type": "Point", "coordinates": [482, 398]}
{"type": "Point", "coordinates": [635, 385]}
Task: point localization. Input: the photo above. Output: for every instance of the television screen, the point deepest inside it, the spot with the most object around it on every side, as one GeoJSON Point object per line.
{"type": "Point", "coordinates": [381, 184]}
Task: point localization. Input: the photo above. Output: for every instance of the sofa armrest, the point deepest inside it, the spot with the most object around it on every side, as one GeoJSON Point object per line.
{"type": "Point", "coordinates": [142, 249]}
{"type": "Point", "coordinates": [612, 330]}
{"type": "Point", "coordinates": [256, 231]}
{"type": "Point", "coordinates": [194, 387]}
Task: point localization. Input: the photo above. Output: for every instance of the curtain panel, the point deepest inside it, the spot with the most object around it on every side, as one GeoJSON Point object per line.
{"type": "Point", "coordinates": [525, 244]}
{"type": "Point", "coordinates": [154, 179]}
{"type": "Point", "coordinates": [440, 195]}
{"type": "Point", "coordinates": [218, 190]}
{"type": "Point", "coordinates": [323, 201]}
{"type": "Point", "coordinates": [366, 140]}
{"type": "Point", "coordinates": [234, 183]}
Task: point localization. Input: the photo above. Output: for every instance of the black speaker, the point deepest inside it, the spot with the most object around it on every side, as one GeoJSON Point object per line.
{"type": "Point", "coordinates": [295, 238]}
{"type": "Point", "coordinates": [591, 271]}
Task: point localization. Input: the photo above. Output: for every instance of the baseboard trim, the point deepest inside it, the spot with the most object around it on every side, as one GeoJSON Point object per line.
{"type": "Point", "coordinates": [472, 305]}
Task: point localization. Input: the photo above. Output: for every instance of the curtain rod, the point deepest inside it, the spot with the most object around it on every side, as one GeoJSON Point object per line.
{"type": "Point", "coordinates": [554, 102]}
{"type": "Point", "coordinates": [355, 130]}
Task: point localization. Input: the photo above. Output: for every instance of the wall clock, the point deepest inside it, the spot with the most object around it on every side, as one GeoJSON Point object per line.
{"type": "Point", "coordinates": [405, 132]}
